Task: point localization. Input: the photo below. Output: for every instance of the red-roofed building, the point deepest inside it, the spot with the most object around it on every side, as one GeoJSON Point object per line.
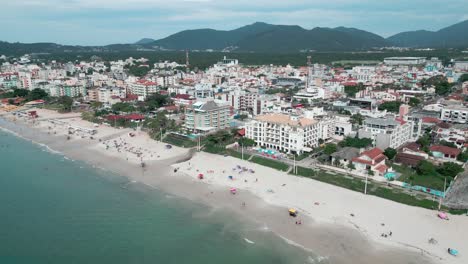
{"type": "Point", "coordinates": [183, 99]}
{"type": "Point", "coordinates": [444, 152]}
{"type": "Point", "coordinates": [131, 117]}
{"type": "Point", "coordinates": [373, 160]}
{"type": "Point", "coordinates": [430, 120]}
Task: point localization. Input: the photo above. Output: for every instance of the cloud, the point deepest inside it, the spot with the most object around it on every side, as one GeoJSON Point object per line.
{"type": "Point", "coordinates": [103, 21]}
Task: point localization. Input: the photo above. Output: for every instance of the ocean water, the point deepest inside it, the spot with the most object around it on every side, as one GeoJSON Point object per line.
{"type": "Point", "coordinates": [56, 210]}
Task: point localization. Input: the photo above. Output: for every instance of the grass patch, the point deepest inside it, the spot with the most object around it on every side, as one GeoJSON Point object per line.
{"type": "Point", "coordinates": [400, 197]}
{"type": "Point", "coordinates": [214, 149]}
{"type": "Point", "coordinates": [270, 163]}
{"type": "Point", "coordinates": [372, 189]}
{"type": "Point", "coordinates": [179, 141]}
{"type": "Point", "coordinates": [338, 180]}
{"type": "Point", "coordinates": [410, 176]}
{"type": "Point", "coordinates": [237, 154]}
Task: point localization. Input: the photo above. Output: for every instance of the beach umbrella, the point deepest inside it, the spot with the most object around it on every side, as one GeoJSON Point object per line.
{"type": "Point", "coordinates": [230, 177]}
{"type": "Point", "coordinates": [233, 190]}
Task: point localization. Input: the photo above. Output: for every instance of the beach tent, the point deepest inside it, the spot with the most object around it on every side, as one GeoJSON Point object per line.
{"type": "Point", "coordinates": [231, 178]}
{"type": "Point", "coordinates": [200, 176]}
{"type": "Point", "coordinates": [442, 215]}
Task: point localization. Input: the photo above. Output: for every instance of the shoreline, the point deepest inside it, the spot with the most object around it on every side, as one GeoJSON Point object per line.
{"type": "Point", "coordinates": [325, 231]}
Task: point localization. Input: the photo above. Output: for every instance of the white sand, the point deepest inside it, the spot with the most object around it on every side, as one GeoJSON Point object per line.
{"type": "Point", "coordinates": [411, 227]}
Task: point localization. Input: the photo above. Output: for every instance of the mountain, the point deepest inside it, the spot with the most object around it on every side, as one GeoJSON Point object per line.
{"type": "Point", "coordinates": [262, 37]}
{"type": "Point", "coordinates": [202, 39]}
{"type": "Point", "coordinates": [144, 41]}
{"type": "Point", "coordinates": [454, 36]}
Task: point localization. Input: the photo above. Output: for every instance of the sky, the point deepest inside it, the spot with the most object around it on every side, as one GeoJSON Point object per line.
{"type": "Point", "coordinates": [101, 22]}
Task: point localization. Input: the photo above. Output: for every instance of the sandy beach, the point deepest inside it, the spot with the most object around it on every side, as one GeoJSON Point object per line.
{"type": "Point", "coordinates": [341, 225]}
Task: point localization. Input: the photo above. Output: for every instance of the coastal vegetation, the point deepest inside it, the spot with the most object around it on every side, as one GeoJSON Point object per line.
{"type": "Point", "coordinates": [270, 163]}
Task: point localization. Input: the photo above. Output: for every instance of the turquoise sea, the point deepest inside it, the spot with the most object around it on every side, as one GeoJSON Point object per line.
{"type": "Point", "coordinates": [55, 210]}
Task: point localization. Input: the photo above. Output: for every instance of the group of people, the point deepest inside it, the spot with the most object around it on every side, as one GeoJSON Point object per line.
{"type": "Point", "coordinates": [121, 145]}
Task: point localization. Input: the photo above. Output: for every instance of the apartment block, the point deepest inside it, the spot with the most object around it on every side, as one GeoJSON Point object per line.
{"type": "Point", "coordinates": [207, 116]}
{"type": "Point", "coordinates": [387, 132]}
{"type": "Point", "coordinates": [285, 133]}
{"type": "Point", "coordinates": [454, 114]}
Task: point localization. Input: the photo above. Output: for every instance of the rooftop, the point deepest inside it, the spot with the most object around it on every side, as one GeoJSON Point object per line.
{"type": "Point", "coordinates": [286, 120]}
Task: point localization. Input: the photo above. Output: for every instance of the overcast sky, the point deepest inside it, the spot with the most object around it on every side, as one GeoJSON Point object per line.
{"type": "Point", "coordinates": [99, 22]}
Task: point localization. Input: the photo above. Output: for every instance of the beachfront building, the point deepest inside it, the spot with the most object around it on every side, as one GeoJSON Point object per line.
{"type": "Point", "coordinates": [202, 117]}
{"type": "Point", "coordinates": [371, 160]}
{"type": "Point", "coordinates": [386, 132]}
{"type": "Point", "coordinates": [454, 114]}
{"type": "Point", "coordinates": [285, 133]}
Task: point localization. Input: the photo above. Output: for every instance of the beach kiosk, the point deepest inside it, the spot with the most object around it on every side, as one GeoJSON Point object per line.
{"type": "Point", "coordinates": [293, 212]}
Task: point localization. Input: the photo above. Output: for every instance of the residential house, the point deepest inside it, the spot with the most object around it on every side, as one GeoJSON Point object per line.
{"type": "Point", "coordinates": [371, 160]}
{"type": "Point", "coordinates": [444, 153]}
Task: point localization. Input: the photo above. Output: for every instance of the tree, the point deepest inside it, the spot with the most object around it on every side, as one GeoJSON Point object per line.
{"type": "Point", "coordinates": [156, 101]}
{"type": "Point", "coordinates": [448, 144]}
{"type": "Point", "coordinates": [463, 157]}
{"type": "Point", "coordinates": [330, 148]}
{"type": "Point", "coordinates": [413, 101]}
{"type": "Point", "coordinates": [65, 103]}
{"type": "Point", "coordinates": [337, 162]}
{"type": "Point", "coordinates": [243, 117]}
{"type": "Point", "coordinates": [37, 94]}
{"type": "Point", "coordinates": [351, 166]}
{"type": "Point", "coordinates": [246, 142]}
{"type": "Point", "coordinates": [138, 71]}
{"type": "Point", "coordinates": [426, 168]}
{"type": "Point", "coordinates": [390, 153]}
{"type": "Point", "coordinates": [352, 90]}
{"type": "Point", "coordinates": [449, 169]}
{"type": "Point", "coordinates": [96, 105]}
{"type": "Point", "coordinates": [90, 71]}
{"type": "Point", "coordinates": [20, 92]}
{"type": "Point", "coordinates": [123, 107]}
{"type": "Point", "coordinates": [356, 119]}
{"type": "Point", "coordinates": [356, 142]}
{"type": "Point", "coordinates": [393, 106]}
{"type": "Point", "coordinates": [443, 88]}
{"type": "Point", "coordinates": [425, 141]}
{"type": "Point", "coordinates": [463, 78]}
{"type": "Point", "coordinates": [370, 172]}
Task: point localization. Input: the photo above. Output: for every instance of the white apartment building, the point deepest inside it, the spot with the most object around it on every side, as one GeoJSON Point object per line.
{"type": "Point", "coordinates": [106, 94]}
{"type": "Point", "coordinates": [285, 133]}
{"type": "Point", "coordinates": [386, 132]}
{"type": "Point", "coordinates": [363, 73]}
{"type": "Point", "coordinates": [253, 103]}
{"type": "Point", "coordinates": [207, 116]}
{"type": "Point", "coordinates": [405, 61]}
{"type": "Point", "coordinates": [461, 65]}
{"type": "Point", "coordinates": [454, 114]}
{"type": "Point", "coordinates": [143, 88]}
